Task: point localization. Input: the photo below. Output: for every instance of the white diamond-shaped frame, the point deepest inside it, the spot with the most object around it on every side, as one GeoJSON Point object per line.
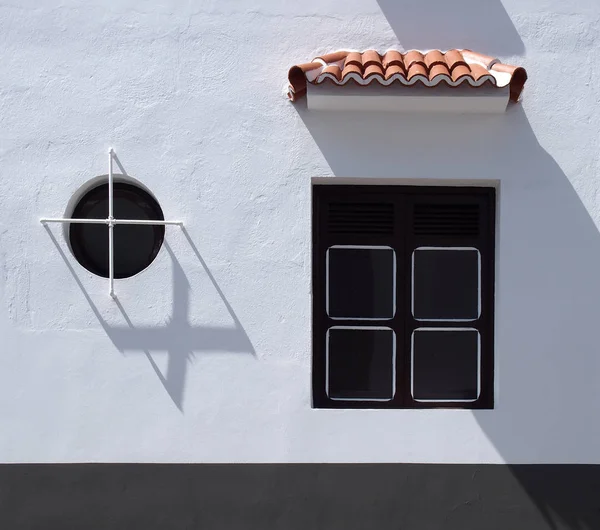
{"type": "Point", "coordinates": [110, 221]}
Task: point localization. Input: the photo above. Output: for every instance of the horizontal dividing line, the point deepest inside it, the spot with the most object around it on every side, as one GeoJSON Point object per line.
{"type": "Point", "coordinates": [359, 219]}
{"type": "Point", "coordinates": [379, 205]}
{"type": "Point", "coordinates": [361, 216]}
{"type": "Point", "coordinates": [442, 207]}
{"type": "Point", "coordinates": [449, 226]}
{"type": "Point", "coordinates": [444, 222]}
{"type": "Point", "coordinates": [446, 233]}
{"type": "Point", "coordinates": [453, 215]}
{"type": "Point", "coordinates": [465, 228]}
{"type": "Point", "coordinates": [359, 224]}
{"type": "Point", "coordinates": [361, 213]}
{"type": "Point", "coordinates": [454, 222]}
{"type": "Point", "coordinates": [151, 222]}
{"type": "Point", "coordinates": [348, 205]}
{"type": "Point", "coordinates": [448, 217]}
{"type": "Point", "coordinates": [447, 208]}
{"type": "Point", "coordinates": [357, 231]}
{"type": "Point", "coordinates": [343, 215]}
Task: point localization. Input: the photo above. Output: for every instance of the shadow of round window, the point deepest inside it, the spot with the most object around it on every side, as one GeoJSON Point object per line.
{"type": "Point", "coordinates": [135, 246]}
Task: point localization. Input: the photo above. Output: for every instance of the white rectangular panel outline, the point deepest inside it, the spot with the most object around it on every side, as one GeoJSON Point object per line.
{"type": "Point", "coordinates": [368, 328]}
{"type": "Point", "coordinates": [412, 286]}
{"type": "Point", "coordinates": [412, 367]}
{"type": "Point", "coordinates": [361, 247]}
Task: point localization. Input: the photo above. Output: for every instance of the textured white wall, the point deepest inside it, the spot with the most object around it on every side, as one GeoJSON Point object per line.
{"type": "Point", "coordinates": [207, 355]}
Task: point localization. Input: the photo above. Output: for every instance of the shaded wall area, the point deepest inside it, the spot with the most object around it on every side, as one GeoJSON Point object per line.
{"type": "Point", "coordinates": [547, 288]}
{"type": "Point", "coordinates": [298, 496]}
{"type": "Point", "coordinates": [547, 259]}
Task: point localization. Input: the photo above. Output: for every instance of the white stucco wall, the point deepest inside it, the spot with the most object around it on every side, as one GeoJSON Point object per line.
{"type": "Point", "coordinates": [206, 358]}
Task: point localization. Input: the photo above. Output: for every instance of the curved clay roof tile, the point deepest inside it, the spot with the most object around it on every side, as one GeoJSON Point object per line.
{"type": "Point", "coordinates": [354, 58]}
{"type": "Point", "coordinates": [393, 70]}
{"type": "Point", "coordinates": [416, 68]}
{"type": "Point", "coordinates": [351, 69]}
{"type": "Point", "coordinates": [332, 57]}
{"type": "Point", "coordinates": [373, 69]}
{"type": "Point", "coordinates": [486, 60]}
{"type": "Point", "coordinates": [371, 57]}
{"type": "Point", "coordinates": [517, 81]}
{"type": "Point", "coordinates": [438, 69]}
{"type": "Point", "coordinates": [413, 57]}
{"type": "Point", "coordinates": [463, 66]}
{"type": "Point", "coordinates": [297, 79]}
{"type": "Point", "coordinates": [334, 70]}
{"type": "Point", "coordinates": [478, 71]}
{"type": "Point", "coordinates": [393, 58]}
{"type": "Point", "coordinates": [454, 59]}
{"type": "Point", "coordinates": [434, 57]}
{"type": "Point", "coordinates": [460, 70]}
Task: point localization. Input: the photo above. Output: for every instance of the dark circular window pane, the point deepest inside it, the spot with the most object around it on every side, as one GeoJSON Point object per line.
{"type": "Point", "coordinates": [135, 246]}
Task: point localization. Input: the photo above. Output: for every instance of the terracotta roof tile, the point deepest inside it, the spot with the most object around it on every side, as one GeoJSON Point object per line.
{"type": "Point", "coordinates": [393, 70]}
{"type": "Point", "coordinates": [416, 69]}
{"type": "Point", "coordinates": [518, 76]}
{"type": "Point", "coordinates": [334, 70]}
{"type": "Point", "coordinates": [393, 58]}
{"type": "Point", "coordinates": [333, 57]}
{"type": "Point", "coordinates": [352, 68]}
{"type": "Point", "coordinates": [454, 59]}
{"type": "Point", "coordinates": [459, 71]}
{"type": "Point", "coordinates": [478, 71]}
{"type": "Point", "coordinates": [371, 58]}
{"type": "Point", "coordinates": [453, 67]}
{"type": "Point", "coordinates": [438, 69]}
{"type": "Point", "coordinates": [434, 57]}
{"type": "Point", "coordinates": [413, 57]}
{"type": "Point", "coordinates": [373, 69]}
{"type": "Point", "coordinates": [486, 60]}
{"type": "Point", "coordinates": [354, 58]}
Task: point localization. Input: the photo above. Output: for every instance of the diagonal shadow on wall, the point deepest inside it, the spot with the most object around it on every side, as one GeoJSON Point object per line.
{"type": "Point", "coordinates": [179, 338]}
{"type": "Point", "coordinates": [547, 286]}
{"type": "Point", "coordinates": [483, 26]}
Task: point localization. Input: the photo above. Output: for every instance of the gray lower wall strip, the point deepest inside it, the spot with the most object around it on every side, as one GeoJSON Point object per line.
{"type": "Point", "coordinates": [299, 496]}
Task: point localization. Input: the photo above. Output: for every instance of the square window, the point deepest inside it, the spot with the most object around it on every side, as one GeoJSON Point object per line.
{"type": "Point", "coordinates": [445, 364]}
{"type": "Point", "coordinates": [361, 282]}
{"type": "Point", "coordinates": [361, 363]}
{"type": "Point", "coordinates": [446, 284]}
{"type": "Point", "coordinates": [403, 296]}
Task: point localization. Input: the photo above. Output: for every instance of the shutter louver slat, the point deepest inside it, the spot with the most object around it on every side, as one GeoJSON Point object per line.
{"type": "Point", "coordinates": [446, 219]}
{"type": "Point", "coordinates": [361, 218]}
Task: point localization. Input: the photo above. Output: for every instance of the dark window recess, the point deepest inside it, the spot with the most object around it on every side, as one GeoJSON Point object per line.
{"type": "Point", "coordinates": [360, 282]}
{"type": "Point", "coordinates": [403, 297]}
{"type": "Point", "coordinates": [445, 365]}
{"type": "Point", "coordinates": [446, 284]}
{"type": "Point", "coordinates": [360, 363]}
{"type": "Point", "coordinates": [135, 246]}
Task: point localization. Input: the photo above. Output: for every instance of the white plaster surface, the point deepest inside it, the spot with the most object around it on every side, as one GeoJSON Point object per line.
{"type": "Point", "coordinates": [207, 357]}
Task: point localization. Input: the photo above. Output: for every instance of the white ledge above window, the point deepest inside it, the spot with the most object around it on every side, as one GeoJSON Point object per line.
{"type": "Point", "coordinates": [441, 98]}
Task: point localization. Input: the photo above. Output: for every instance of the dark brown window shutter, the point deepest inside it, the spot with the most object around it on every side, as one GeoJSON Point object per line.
{"type": "Point", "coordinates": [446, 219]}
{"type": "Point", "coordinates": [416, 223]}
{"type": "Point", "coordinates": [360, 217]}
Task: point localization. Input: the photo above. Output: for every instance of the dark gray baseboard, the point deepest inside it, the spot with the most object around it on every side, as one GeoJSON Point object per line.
{"type": "Point", "coordinates": [299, 496]}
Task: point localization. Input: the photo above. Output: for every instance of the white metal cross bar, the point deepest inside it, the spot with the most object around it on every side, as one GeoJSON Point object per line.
{"type": "Point", "coordinates": [105, 221]}
{"type": "Point", "coordinates": [111, 222]}
{"type": "Point", "coordinates": [111, 227]}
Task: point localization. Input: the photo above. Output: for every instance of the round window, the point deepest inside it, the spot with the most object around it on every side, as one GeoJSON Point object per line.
{"type": "Point", "coordinates": [135, 246]}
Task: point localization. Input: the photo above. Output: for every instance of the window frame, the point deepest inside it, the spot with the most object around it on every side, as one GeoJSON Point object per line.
{"type": "Point", "coordinates": [404, 241]}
